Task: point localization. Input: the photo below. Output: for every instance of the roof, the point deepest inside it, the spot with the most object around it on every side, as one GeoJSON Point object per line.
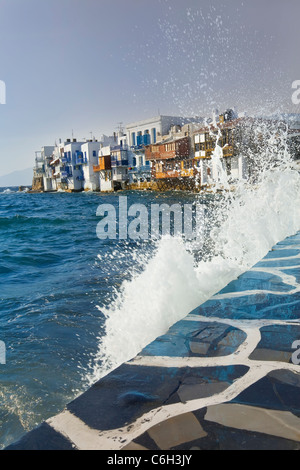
{"type": "Point", "coordinates": [185, 120]}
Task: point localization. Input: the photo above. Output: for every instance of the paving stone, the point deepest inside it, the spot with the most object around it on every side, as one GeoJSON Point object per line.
{"type": "Point", "coordinates": [192, 392]}
{"type": "Point", "coordinates": [271, 393]}
{"type": "Point", "coordinates": [134, 446]}
{"type": "Point", "coordinates": [175, 431]}
{"type": "Point", "coordinates": [261, 354]}
{"type": "Point", "coordinates": [273, 422]}
{"type": "Point", "coordinates": [286, 377]}
{"type": "Point", "coordinates": [199, 347]}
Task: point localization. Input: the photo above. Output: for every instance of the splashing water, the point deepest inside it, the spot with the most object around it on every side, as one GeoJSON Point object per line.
{"type": "Point", "coordinates": [246, 223]}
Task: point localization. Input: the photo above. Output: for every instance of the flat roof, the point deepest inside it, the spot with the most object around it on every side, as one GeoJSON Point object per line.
{"type": "Point", "coordinates": [154, 119]}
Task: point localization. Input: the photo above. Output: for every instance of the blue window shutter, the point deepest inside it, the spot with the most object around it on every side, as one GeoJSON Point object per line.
{"type": "Point", "coordinates": [153, 131]}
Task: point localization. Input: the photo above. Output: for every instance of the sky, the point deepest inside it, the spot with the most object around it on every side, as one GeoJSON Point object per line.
{"type": "Point", "coordinates": [85, 66]}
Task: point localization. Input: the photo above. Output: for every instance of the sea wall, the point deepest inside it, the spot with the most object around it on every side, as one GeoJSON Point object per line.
{"type": "Point", "coordinates": [227, 376]}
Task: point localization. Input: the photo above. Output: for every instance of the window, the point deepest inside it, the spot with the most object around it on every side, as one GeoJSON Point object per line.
{"type": "Point", "coordinates": [146, 138]}
{"type": "Point", "coordinates": [94, 153]}
{"type": "Point", "coordinates": [139, 139]}
{"type": "Point", "coordinates": [153, 135]}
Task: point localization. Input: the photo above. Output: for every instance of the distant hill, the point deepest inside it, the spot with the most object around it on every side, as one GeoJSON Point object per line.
{"type": "Point", "coordinates": [17, 178]}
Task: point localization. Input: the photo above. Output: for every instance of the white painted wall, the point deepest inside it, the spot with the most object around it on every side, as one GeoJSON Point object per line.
{"type": "Point", "coordinates": [91, 179]}
{"type": "Point", "coordinates": [142, 126]}
{"type": "Point", "coordinates": [105, 184]}
{"type": "Point", "coordinates": [73, 183]}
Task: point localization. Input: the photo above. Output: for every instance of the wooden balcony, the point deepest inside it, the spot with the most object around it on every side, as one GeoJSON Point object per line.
{"type": "Point", "coordinates": [187, 172]}
{"type": "Point", "coordinates": [182, 173]}
{"type": "Point", "coordinates": [228, 151]}
{"type": "Point", "coordinates": [168, 174]}
{"type": "Point", "coordinates": [104, 164]}
{"type": "Point", "coordinates": [169, 150]}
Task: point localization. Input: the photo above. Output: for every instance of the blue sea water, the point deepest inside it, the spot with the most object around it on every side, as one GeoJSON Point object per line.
{"type": "Point", "coordinates": [53, 285]}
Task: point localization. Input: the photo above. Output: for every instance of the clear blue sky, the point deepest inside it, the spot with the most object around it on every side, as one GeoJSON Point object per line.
{"type": "Point", "coordinates": [87, 65]}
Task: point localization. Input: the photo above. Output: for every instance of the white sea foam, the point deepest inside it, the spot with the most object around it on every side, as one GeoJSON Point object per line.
{"type": "Point", "coordinates": [252, 220]}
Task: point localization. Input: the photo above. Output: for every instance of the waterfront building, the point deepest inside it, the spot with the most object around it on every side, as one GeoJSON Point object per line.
{"type": "Point", "coordinates": [46, 155]}
{"type": "Point", "coordinates": [73, 176]}
{"type": "Point", "coordinates": [103, 170]}
{"type": "Point", "coordinates": [149, 132]}
{"type": "Point", "coordinates": [119, 163]}
{"type": "Point", "coordinates": [221, 136]}
{"type": "Point", "coordinates": [113, 161]}
{"type": "Point", "coordinates": [55, 166]}
{"type": "Point", "coordinates": [172, 162]}
{"type": "Point", "coordinates": [90, 151]}
{"type": "Point", "coordinates": [66, 164]}
{"type": "Point", "coordinates": [172, 158]}
{"type": "Point", "coordinates": [42, 173]}
{"type": "Point", "coordinates": [166, 152]}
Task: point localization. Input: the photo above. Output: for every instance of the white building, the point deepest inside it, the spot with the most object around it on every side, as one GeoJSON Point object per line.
{"type": "Point", "coordinates": [71, 171]}
{"type": "Point", "coordinates": [147, 132]}
{"type": "Point", "coordinates": [90, 151]}
{"type": "Point", "coordinates": [46, 155]}
{"type": "Point", "coordinates": [119, 162]}
{"type": "Point", "coordinates": [42, 170]}
{"type": "Point", "coordinates": [104, 169]}
{"type": "Point", "coordinates": [151, 130]}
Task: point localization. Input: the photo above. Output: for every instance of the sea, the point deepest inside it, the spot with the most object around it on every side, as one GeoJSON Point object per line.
{"type": "Point", "coordinates": [74, 306]}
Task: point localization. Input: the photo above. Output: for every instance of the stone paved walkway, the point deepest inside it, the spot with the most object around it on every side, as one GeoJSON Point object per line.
{"type": "Point", "coordinates": [225, 377]}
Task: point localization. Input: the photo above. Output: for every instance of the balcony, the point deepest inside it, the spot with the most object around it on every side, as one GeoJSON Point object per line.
{"type": "Point", "coordinates": [116, 163]}
{"type": "Point", "coordinates": [79, 158]}
{"type": "Point", "coordinates": [65, 160]}
{"type": "Point", "coordinates": [55, 161]}
{"type": "Point", "coordinates": [168, 174]}
{"type": "Point", "coordinates": [39, 170]}
{"type": "Point", "coordinates": [228, 151]}
{"type": "Point", "coordinates": [119, 147]}
{"type": "Point", "coordinates": [139, 169]}
{"type": "Point", "coordinates": [162, 154]}
{"type": "Point", "coordinates": [66, 174]}
{"type": "Point", "coordinates": [104, 163]}
{"type": "Point", "coordinates": [188, 172]}
{"type": "Point", "coordinates": [136, 148]}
